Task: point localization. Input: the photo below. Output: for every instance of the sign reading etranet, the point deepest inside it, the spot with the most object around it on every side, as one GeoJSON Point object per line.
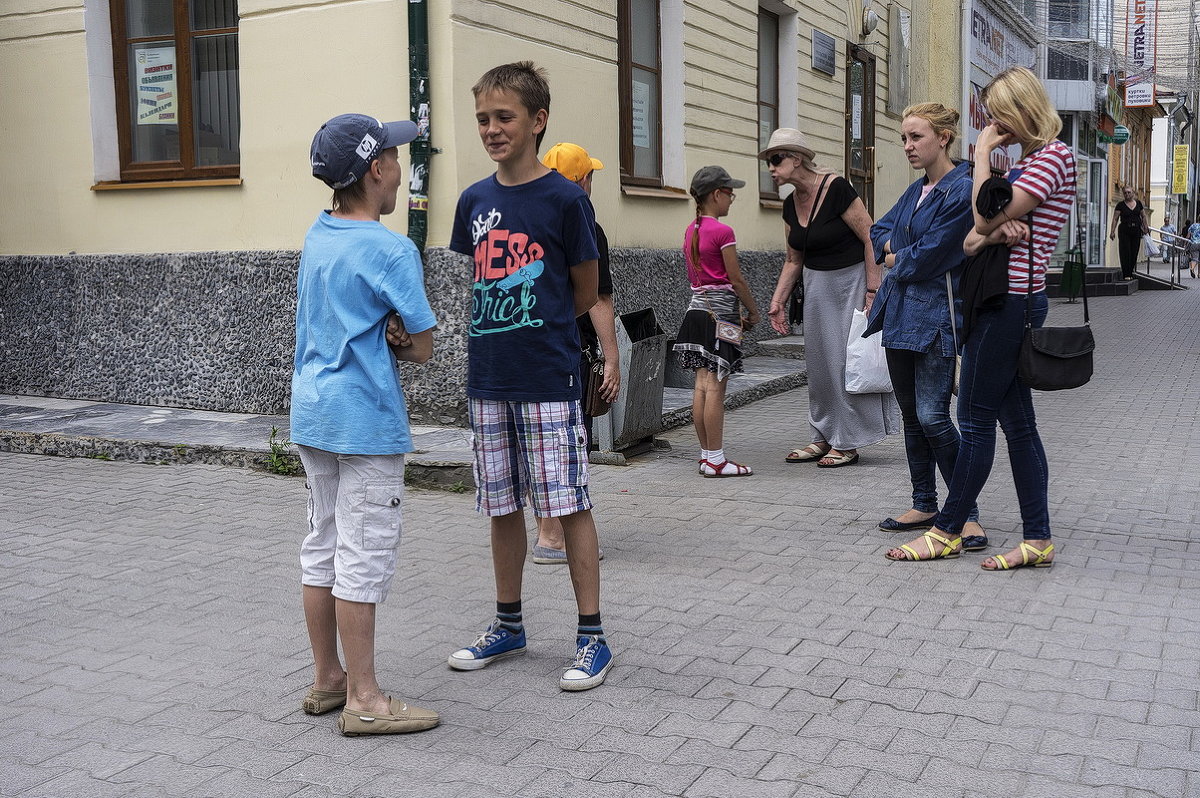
{"type": "Point", "coordinates": [1141, 48]}
{"type": "Point", "coordinates": [156, 86]}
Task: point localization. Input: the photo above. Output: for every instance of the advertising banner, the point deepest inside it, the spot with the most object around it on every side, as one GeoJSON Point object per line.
{"type": "Point", "coordinates": [1179, 169]}
{"type": "Point", "coordinates": [1141, 49]}
{"type": "Point", "coordinates": [995, 46]}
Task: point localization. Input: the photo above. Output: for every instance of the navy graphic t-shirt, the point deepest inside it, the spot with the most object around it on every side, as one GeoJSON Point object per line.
{"type": "Point", "coordinates": [523, 345]}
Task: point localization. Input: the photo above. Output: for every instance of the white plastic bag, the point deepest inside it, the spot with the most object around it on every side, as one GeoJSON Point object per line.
{"type": "Point", "coordinates": [866, 362]}
{"type": "Point", "coordinates": [1151, 246]}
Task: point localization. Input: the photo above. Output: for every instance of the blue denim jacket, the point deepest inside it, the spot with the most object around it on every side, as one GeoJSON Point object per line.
{"type": "Point", "coordinates": [911, 306]}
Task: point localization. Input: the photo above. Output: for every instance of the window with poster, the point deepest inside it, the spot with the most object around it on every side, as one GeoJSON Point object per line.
{"type": "Point", "coordinates": [175, 63]}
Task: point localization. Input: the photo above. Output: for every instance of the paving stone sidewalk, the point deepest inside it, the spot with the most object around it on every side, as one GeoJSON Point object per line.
{"type": "Point", "coordinates": [152, 641]}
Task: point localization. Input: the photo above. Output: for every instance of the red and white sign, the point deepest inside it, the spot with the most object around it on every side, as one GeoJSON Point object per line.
{"type": "Point", "coordinates": [1141, 48]}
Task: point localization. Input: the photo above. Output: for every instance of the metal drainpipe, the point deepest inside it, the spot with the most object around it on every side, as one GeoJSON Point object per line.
{"type": "Point", "coordinates": [418, 98]}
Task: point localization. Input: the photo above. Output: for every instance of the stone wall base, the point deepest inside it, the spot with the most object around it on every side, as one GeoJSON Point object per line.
{"type": "Point", "coordinates": [216, 330]}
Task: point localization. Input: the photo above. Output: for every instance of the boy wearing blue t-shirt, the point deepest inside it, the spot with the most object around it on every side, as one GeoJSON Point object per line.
{"type": "Point", "coordinates": [348, 415]}
{"type": "Point", "coordinates": [531, 235]}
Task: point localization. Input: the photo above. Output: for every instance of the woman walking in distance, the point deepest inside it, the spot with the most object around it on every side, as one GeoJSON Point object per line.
{"type": "Point", "coordinates": [1129, 224]}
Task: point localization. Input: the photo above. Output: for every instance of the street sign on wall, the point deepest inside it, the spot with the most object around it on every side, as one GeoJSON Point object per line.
{"type": "Point", "coordinates": [1120, 135]}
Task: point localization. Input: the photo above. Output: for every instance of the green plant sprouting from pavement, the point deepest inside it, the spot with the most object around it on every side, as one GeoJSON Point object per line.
{"type": "Point", "coordinates": [279, 460]}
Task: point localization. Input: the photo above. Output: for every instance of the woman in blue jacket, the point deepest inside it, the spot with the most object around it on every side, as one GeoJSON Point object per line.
{"type": "Point", "coordinates": [920, 244]}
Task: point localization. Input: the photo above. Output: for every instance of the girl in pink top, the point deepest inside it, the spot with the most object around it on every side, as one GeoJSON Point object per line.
{"type": "Point", "coordinates": [718, 292]}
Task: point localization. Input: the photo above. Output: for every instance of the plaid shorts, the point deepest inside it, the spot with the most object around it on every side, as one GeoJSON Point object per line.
{"type": "Point", "coordinates": [539, 448]}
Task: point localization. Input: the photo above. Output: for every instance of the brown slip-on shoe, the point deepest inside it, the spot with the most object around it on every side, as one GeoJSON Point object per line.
{"type": "Point", "coordinates": [404, 718]}
{"type": "Point", "coordinates": [318, 702]}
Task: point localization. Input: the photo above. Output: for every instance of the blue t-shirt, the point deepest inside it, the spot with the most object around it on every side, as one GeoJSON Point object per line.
{"type": "Point", "coordinates": [523, 345]}
{"type": "Point", "coordinates": [346, 395]}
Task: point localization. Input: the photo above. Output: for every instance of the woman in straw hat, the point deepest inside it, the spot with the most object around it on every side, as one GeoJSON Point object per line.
{"type": "Point", "coordinates": [827, 233]}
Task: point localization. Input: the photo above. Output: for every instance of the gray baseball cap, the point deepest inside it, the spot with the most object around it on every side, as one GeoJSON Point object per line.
{"type": "Point", "coordinates": [344, 147]}
{"type": "Point", "coordinates": [711, 178]}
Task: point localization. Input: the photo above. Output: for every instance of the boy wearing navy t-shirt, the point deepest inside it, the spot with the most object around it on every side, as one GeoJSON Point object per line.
{"type": "Point", "coordinates": [530, 233]}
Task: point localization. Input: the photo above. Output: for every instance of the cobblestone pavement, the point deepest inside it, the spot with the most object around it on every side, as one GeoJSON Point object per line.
{"type": "Point", "coordinates": [153, 644]}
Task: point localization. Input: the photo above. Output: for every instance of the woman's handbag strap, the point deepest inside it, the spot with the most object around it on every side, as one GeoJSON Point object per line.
{"type": "Point", "coordinates": [1029, 290]}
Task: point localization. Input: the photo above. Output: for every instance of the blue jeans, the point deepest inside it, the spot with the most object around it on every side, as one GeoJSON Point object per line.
{"type": "Point", "coordinates": [923, 383]}
{"type": "Point", "coordinates": [989, 391]}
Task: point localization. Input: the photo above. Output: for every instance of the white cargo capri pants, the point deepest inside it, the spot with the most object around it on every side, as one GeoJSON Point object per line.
{"type": "Point", "coordinates": [354, 522]}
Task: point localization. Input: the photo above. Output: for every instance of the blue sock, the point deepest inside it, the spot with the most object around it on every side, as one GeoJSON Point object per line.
{"type": "Point", "coordinates": [589, 625]}
{"type": "Point", "coordinates": [509, 615]}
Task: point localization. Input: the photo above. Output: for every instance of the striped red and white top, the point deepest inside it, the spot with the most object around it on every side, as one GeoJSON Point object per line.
{"type": "Point", "coordinates": [1049, 175]}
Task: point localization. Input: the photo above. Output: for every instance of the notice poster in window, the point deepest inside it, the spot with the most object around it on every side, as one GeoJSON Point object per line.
{"type": "Point", "coordinates": [641, 109]}
{"type": "Point", "coordinates": [156, 86]}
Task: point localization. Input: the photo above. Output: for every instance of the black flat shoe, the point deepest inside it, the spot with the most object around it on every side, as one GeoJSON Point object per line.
{"type": "Point", "coordinates": [974, 542]}
{"type": "Point", "coordinates": [892, 525]}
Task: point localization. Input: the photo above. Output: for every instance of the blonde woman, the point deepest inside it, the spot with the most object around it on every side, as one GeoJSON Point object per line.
{"type": "Point", "coordinates": [919, 242]}
{"type": "Point", "coordinates": [1043, 190]}
{"type": "Point", "coordinates": [827, 229]}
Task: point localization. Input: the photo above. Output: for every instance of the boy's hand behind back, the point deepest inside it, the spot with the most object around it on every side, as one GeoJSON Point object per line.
{"type": "Point", "coordinates": [397, 336]}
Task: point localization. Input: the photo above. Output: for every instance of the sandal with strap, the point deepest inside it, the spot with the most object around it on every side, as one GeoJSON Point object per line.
{"type": "Point", "coordinates": [1031, 557]}
{"type": "Point", "coordinates": [837, 460]}
{"type": "Point", "coordinates": [725, 469]}
{"type": "Point", "coordinates": [809, 454]}
{"type": "Point", "coordinates": [938, 548]}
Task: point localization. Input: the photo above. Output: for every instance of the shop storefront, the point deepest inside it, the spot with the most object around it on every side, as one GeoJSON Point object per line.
{"type": "Point", "coordinates": [1088, 226]}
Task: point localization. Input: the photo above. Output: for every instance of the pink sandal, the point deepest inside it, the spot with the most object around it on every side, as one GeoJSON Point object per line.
{"type": "Point", "coordinates": [725, 469]}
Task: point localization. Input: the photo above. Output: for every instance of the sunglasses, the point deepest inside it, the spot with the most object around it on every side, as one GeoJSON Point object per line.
{"type": "Point", "coordinates": [727, 191]}
{"type": "Point", "coordinates": [776, 158]}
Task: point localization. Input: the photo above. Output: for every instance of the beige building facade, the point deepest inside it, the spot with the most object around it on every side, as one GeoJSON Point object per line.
{"type": "Point", "coordinates": [161, 149]}
{"type": "Point", "coordinates": [296, 63]}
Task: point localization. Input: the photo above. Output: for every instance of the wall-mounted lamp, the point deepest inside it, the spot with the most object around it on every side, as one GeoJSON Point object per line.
{"type": "Point", "coordinates": [870, 21]}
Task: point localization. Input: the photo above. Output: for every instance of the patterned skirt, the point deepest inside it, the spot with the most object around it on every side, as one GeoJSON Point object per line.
{"type": "Point", "coordinates": [697, 343]}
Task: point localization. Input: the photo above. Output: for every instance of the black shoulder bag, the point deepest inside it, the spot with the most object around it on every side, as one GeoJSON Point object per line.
{"type": "Point", "coordinates": [1055, 358]}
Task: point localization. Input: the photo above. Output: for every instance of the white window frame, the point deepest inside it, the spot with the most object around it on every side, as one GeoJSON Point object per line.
{"type": "Point", "coordinates": [106, 153]}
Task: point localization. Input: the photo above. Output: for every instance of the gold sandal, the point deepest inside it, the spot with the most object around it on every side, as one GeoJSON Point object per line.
{"type": "Point", "coordinates": [940, 548]}
{"type": "Point", "coordinates": [1031, 557]}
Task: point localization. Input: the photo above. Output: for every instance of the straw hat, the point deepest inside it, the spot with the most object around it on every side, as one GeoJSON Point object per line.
{"type": "Point", "coordinates": [788, 139]}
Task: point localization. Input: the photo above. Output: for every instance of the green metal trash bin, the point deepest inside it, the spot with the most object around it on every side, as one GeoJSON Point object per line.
{"type": "Point", "coordinates": [1072, 275]}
